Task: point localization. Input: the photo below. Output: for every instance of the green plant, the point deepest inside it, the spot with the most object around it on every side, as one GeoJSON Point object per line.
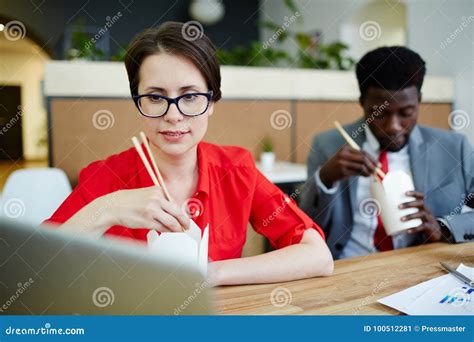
{"type": "Point", "coordinates": [310, 54]}
{"type": "Point", "coordinates": [119, 56]}
{"type": "Point", "coordinates": [81, 46]}
{"type": "Point", "coordinates": [253, 55]}
{"type": "Point", "coordinates": [330, 56]}
{"type": "Point", "coordinates": [267, 145]}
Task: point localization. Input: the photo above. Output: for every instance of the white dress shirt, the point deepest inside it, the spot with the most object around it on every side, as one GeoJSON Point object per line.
{"type": "Point", "coordinates": [361, 241]}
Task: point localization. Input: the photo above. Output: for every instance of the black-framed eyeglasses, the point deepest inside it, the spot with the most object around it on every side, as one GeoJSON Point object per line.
{"type": "Point", "coordinates": [190, 104]}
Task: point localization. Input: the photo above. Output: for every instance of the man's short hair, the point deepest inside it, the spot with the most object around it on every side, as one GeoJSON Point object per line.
{"type": "Point", "coordinates": [390, 68]}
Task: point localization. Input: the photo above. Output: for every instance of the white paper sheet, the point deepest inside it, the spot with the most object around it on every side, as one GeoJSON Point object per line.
{"type": "Point", "coordinates": [402, 300]}
{"type": "Point", "coordinates": [445, 295]}
{"type": "Point", "coordinates": [449, 297]}
{"type": "Point", "coordinates": [186, 248]}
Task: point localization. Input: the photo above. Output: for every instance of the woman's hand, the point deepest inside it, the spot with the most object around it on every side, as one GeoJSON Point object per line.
{"type": "Point", "coordinates": [136, 208]}
{"type": "Point", "coordinates": [147, 208]}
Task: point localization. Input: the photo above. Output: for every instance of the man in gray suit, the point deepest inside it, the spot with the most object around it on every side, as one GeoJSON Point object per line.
{"type": "Point", "coordinates": [337, 195]}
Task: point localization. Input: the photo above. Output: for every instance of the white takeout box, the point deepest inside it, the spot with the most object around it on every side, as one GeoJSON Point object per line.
{"type": "Point", "coordinates": [390, 193]}
{"type": "Point", "coordinates": [184, 248]}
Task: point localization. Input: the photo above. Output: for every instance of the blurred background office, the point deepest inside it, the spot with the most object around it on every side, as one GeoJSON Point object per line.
{"type": "Point", "coordinates": [287, 70]}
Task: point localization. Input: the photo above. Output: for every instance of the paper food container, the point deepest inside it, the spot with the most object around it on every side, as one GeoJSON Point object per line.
{"type": "Point", "coordinates": [390, 193]}
{"type": "Point", "coordinates": [187, 248]}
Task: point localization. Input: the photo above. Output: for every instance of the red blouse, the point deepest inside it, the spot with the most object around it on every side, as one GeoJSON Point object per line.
{"type": "Point", "coordinates": [230, 193]}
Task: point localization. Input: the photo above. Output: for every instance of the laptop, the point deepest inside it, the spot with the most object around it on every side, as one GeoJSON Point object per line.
{"type": "Point", "coordinates": [46, 271]}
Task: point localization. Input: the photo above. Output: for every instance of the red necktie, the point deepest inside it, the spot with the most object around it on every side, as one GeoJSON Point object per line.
{"type": "Point", "coordinates": [382, 241]}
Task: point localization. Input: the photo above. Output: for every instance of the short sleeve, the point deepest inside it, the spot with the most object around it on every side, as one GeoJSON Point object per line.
{"type": "Point", "coordinates": [87, 189]}
{"type": "Point", "coordinates": [276, 215]}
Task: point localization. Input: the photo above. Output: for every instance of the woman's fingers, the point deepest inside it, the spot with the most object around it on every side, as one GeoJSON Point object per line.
{"type": "Point", "coordinates": [148, 207]}
{"type": "Point", "coordinates": [177, 212]}
{"type": "Point", "coordinates": [150, 223]}
{"type": "Point", "coordinates": [177, 215]}
{"type": "Point", "coordinates": [167, 220]}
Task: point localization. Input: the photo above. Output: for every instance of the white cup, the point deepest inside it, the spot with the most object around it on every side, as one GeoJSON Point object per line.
{"type": "Point", "coordinates": [390, 193]}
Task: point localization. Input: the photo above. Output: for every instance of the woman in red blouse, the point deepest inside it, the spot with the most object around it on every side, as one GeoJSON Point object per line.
{"type": "Point", "coordinates": [175, 81]}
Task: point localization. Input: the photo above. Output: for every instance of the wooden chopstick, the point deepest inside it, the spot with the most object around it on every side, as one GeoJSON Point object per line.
{"type": "Point", "coordinates": [139, 149]}
{"type": "Point", "coordinates": [354, 145]}
{"type": "Point", "coordinates": [148, 167]}
{"type": "Point", "coordinates": [157, 170]}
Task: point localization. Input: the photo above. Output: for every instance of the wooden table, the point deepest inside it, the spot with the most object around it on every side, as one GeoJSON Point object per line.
{"type": "Point", "coordinates": [354, 287]}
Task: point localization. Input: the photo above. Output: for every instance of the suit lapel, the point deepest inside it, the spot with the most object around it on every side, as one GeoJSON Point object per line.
{"type": "Point", "coordinates": [418, 159]}
{"type": "Point", "coordinates": [353, 181]}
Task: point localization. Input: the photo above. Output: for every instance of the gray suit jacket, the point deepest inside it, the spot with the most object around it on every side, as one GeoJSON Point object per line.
{"type": "Point", "coordinates": [442, 165]}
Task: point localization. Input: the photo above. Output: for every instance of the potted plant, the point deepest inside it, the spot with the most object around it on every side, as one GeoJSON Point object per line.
{"type": "Point", "coordinates": [267, 158]}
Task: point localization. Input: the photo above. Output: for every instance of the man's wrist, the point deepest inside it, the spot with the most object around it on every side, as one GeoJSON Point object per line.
{"type": "Point", "coordinates": [319, 183]}
{"type": "Point", "coordinates": [328, 183]}
{"type": "Point", "coordinates": [446, 235]}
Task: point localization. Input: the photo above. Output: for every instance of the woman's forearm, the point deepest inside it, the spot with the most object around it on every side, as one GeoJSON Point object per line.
{"type": "Point", "coordinates": [93, 219]}
{"type": "Point", "coordinates": [310, 258]}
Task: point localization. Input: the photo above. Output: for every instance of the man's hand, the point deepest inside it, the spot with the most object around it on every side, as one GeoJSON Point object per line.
{"type": "Point", "coordinates": [345, 163]}
{"type": "Point", "coordinates": [430, 227]}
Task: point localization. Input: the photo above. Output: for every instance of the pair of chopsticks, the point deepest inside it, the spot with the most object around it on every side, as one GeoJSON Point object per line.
{"type": "Point", "coordinates": [153, 173]}
{"type": "Point", "coordinates": [354, 145]}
